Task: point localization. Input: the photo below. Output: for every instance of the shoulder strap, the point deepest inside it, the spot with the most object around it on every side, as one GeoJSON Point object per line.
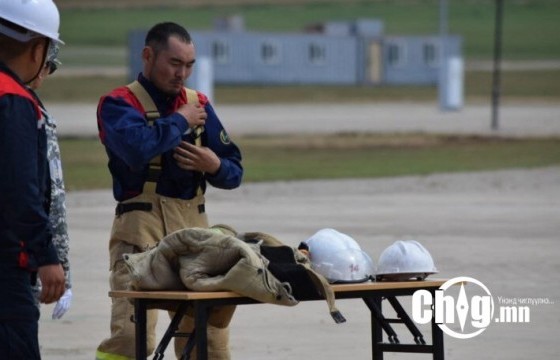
{"type": "Point", "coordinates": [145, 100]}
{"type": "Point", "coordinates": [148, 104]}
{"type": "Point", "coordinates": [151, 113]}
{"type": "Point", "coordinates": [192, 97]}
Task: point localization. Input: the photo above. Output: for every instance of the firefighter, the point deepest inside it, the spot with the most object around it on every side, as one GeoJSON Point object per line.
{"type": "Point", "coordinates": [28, 29]}
{"type": "Point", "coordinates": [164, 143]}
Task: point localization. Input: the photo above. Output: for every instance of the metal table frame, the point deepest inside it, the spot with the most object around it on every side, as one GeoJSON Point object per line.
{"type": "Point", "coordinates": [372, 293]}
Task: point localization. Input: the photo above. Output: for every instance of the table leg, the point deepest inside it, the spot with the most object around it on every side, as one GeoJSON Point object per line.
{"type": "Point", "coordinates": [437, 337]}
{"type": "Point", "coordinates": [201, 312]}
{"type": "Point", "coordinates": [376, 331]}
{"type": "Point", "coordinates": [140, 323]}
{"type": "Point", "coordinates": [437, 341]}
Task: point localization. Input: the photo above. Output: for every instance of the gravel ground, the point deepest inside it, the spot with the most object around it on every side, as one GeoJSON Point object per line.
{"type": "Point", "coordinates": [499, 227]}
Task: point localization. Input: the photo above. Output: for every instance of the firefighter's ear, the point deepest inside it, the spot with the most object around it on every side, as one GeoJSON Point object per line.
{"type": "Point", "coordinates": [148, 55]}
{"type": "Point", "coordinates": [148, 59]}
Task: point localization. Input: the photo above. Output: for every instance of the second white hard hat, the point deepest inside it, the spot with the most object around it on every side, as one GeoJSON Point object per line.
{"type": "Point", "coordinates": [405, 260]}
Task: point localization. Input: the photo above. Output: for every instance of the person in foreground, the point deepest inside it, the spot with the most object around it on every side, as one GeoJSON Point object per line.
{"type": "Point", "coordinates": [28, 29]}
{"type": "Point", "coordinates": [165, 143]}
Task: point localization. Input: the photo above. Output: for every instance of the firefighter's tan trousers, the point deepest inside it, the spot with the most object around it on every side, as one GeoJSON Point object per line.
{"type": "Point", "coordinates": [137, 231]}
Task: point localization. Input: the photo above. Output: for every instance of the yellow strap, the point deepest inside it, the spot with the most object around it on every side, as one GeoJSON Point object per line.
{"type": "Point", "coordinates": [151, 113]}
{"type": "Point", "coordinates": [145, 99]}
{"type": "Point", "coordinates": [192, 97]}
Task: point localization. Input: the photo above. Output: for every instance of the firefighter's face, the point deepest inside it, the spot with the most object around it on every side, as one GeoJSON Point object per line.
{"type": "Point", "coordinates": [170, 67]}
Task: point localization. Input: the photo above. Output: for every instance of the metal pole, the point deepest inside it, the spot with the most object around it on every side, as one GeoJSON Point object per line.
{"type": "Point", "coordinates": [443, 14]}
{"type": "Point", "coordinates": [443, 29]}
{"type": "Point", "coordinates": [497, 59]}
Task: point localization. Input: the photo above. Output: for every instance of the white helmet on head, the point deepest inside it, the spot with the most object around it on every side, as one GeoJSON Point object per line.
{"type": "Point", "coordinates": [405, 260]}
{"type": "Point", "coordinates": [38, 17]}
{"type": "Point", "coordinates": [338, 257]}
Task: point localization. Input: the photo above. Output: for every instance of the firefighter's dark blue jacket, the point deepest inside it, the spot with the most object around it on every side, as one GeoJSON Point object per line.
{"type": "Point", "coordinates": [25, 234]}
{"type": "Point", "coordinates": [131, 143]}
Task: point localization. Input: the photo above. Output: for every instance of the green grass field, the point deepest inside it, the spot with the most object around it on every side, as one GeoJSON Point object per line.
{"type": "Point", "coordinates": [341, 156]}
{"type": "Point", "coordinates": [530, 27]}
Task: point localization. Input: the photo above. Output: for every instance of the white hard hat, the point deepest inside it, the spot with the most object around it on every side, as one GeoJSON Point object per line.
{"type": "Point", "coordinates": [39, 17]}
{"type": "Point", "coordinates": [338, 257]}
{"type": "Point", "coordinates": [405, 260]}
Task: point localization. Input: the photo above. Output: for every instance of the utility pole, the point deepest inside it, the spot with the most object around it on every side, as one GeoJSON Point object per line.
{"type": "Point", "coordinates": [497, 59]}
{"type": "Point", "coordinates": [442, 76]}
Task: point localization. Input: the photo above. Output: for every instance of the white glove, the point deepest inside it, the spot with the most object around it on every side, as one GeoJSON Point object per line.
{"type": "Point", "coordinates": [62, 305]}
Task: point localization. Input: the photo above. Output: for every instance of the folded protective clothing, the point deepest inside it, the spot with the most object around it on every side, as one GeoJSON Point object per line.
{"type": "Point", "coordinates": [293, 266]}
{"type": "Point", "coordinates": [219, 259]}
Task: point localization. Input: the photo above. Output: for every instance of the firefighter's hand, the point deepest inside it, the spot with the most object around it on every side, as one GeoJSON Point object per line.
{"type": "Point", "coordinates": [194, 114]}
{"type": "Point", "coordinates": [196, 158]}
{"type": "Point", "coordinates": [52, 280]}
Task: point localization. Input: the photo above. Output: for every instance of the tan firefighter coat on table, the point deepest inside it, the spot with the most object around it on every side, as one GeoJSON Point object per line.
{"type": "Point", "coordinates": [219, 259]}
